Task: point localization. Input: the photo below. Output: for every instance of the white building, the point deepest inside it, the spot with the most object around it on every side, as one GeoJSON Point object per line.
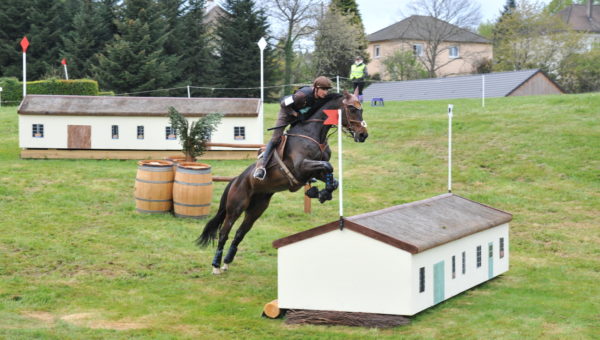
{"type": "Point", "coordinates": [128, 123]}
{"type": "Point", "coordinates": [399, 260]}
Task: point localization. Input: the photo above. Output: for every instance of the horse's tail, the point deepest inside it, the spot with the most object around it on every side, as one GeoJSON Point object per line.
{"type": "Point", "coordinates": [212, 227]}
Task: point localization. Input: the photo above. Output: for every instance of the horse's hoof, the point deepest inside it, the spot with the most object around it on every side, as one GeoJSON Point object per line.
{"type": "Point", "coordinates": [225, 267]}
{"type": "Point", "coordinates": [216, 271]}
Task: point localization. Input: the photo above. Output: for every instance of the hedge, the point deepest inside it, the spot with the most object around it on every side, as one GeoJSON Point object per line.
{"type": "Point", "coordinates": [12, 88]}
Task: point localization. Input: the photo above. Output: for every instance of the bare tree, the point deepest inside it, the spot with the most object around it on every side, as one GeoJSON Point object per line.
{"type": "Point", "coordinates": [448, 19]}
{"type": "Point", "coordinates": [298, 17]}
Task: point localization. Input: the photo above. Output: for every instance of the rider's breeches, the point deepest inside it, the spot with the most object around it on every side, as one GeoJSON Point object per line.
{"type": "Point", "coordinates": [283, 118]}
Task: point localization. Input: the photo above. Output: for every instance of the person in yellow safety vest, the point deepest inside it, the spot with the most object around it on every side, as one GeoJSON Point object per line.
{"type": "Point", "coordinates": [358, 74]}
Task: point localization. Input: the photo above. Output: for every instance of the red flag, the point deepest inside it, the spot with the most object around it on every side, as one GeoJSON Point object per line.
{"type": "Point", "coordinates": [24, 44]}
{"type": "Point", "coordinates": [332, 117]}
{"type": "Point", "coordinates": [64, 61]}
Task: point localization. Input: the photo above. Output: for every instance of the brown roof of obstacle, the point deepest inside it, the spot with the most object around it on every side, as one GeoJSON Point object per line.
{"type": "Point", "coordinates": [136, 106]}
{"type": "Point", "coordinates": [416, 226]}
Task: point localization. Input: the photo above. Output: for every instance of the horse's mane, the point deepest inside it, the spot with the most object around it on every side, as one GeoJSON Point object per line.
{"type": "Point", "coordinates": [330, 101]}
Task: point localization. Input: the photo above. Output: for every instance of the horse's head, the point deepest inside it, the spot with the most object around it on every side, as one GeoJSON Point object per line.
{"type": "Point", "coordinates": [352, 118]}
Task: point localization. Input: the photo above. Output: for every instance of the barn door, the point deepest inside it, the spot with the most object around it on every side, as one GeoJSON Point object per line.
{"type": "Point", "coordinates": [438, 282]}
{"type": "Point", "coordinates": [490, 260]}
{"type": "Point", "coordinates": [79, 137]}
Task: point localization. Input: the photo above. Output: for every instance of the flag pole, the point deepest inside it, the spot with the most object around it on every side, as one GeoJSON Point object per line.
{"type": "Point", "coordinates": [24, 45]}
{"type": "Point", "coordinates": [450, 108]}
{"type": "Point", "coordinates": [341, 176]}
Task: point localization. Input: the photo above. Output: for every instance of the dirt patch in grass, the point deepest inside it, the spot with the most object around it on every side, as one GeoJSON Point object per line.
{"type": "Point", "coordinates": [86, 319]}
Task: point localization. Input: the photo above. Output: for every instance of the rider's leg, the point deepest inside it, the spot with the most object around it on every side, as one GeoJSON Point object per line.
{"type": "Point", "coordinates": [260, 171]}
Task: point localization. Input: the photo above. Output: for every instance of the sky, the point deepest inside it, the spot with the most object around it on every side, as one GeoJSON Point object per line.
{"type": "Point", "coordinates": [378, 14]}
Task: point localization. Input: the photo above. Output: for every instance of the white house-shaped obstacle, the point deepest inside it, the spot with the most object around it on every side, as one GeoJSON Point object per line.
{"type": "Point", "coordinates": [399, 260]}
{"type": "Point", "coordinates": [129, 123]}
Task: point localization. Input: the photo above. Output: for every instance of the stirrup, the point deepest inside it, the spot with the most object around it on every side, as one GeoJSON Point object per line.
{"type": "Point", "coordinates": [260, 173]}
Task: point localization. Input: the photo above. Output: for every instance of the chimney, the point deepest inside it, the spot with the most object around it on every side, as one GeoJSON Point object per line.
{"type": "Point", "coordinates": [589, 9]}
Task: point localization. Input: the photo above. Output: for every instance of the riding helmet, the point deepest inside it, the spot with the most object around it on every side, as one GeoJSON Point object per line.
{"type": "Point", "coordinates": [322, 82]}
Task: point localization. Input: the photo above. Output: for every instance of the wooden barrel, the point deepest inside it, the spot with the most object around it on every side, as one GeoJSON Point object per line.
{"type": "Point", "coordinates": [192, 190]}
{"type": "Point", "coordinates": [154, 186]}
{"type": "Point", "coordinates": [176, 160]}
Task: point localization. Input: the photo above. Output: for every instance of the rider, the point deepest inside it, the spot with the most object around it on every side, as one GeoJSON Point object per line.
{"type": "Point", "coordinates": [295, 107]}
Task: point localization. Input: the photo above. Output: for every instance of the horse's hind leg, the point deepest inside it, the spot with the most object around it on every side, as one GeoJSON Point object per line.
{"type": "Point", "coordinates": [233, 213]}
{"type": "Point", "coordinates": [258, 205]}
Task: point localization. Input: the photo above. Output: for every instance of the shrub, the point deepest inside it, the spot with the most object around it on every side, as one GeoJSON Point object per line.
{"type": "Point", "coordinates": [13, 88]}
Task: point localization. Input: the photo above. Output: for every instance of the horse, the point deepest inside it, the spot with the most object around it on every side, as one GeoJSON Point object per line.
{"type": "Point", "coordinates": [305, 156]}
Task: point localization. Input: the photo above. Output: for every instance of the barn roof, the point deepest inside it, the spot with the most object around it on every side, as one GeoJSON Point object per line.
{"type": "Point", "coordinates": [418, 27]}
{"type": "Point", "coordinates": [497, 84]}
{"type": "Point", "coordinates": [136, 106]}
{"type": "Point", "coordinates": [416, 226]}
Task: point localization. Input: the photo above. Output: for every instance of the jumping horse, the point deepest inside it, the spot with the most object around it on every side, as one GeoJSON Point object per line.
{"type": "Point", "coordinates": [304, 155]}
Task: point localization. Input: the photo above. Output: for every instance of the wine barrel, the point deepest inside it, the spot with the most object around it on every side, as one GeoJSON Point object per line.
{"type": "Point", "coordinates": [192, 190]}
{"type": "Point", "coordinates": [154, 186]}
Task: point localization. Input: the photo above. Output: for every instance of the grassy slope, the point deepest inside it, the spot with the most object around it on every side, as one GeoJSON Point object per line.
{"type": "Point", "coordinates": [77, 262]}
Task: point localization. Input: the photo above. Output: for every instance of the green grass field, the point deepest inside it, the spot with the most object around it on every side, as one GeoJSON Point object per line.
{"type": "Point", "coordinates": [77, 261]}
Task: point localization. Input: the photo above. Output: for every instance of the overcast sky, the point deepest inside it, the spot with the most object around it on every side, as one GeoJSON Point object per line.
{"type": "Point", "coordinates": [378, 14]}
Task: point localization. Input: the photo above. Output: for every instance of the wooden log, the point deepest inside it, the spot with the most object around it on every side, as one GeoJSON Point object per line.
{"type": "Point", "coordinates": [231, 145]}
{"type": "Point", "coordinates": [271, 310]}
{"type": "Point", "coordinates": [222, 178]}
{"type": "Point", "coordinates": [307, 203]}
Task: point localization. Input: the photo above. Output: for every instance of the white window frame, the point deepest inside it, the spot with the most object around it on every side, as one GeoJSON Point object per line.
{"type": "Point", "coordinates": [170, 133]}
{"type": "Point", "coordinates": [376, 51]}
{"type": "Point", "coordinates": [418, 50]}
{"type": "Point", "coordinates": [451, 55]}
{"type": "Point", "coordinates": [239, 132]}
{"type": "Point", "coordinates": [37, 130]}
{"type": "Point", "coordinates": [140, 132]}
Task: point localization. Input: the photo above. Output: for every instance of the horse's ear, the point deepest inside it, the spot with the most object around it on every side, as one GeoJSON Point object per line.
{"type": "Point", "coordinates": [356, 91]}
{"type": "Point", "coordinates": [347, 95]}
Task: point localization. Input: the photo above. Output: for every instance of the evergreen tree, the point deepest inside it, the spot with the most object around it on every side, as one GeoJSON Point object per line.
{"type": "Point", "coordinates": [13, 16]}
{"type": "Point", "coordinates": [199, 65]}
{"type": "Point", "coordinates": [136, 61]}
{"type": "Point", "coordinates": [49, 23]}
{"type": "Point", "coordinates": [85, 40]}
{"type": "Point", "coordinates": [238, 35]}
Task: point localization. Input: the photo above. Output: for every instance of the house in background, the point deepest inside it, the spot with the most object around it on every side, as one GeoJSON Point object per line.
{"type": "Point", "coordinates": [398, 260]}
{"type": "Point", "coordinates": [461, 50]}
{"type": "Point", "coordinates": [584, 19]}
{"type": "Point", "coordinates": [114, 127]}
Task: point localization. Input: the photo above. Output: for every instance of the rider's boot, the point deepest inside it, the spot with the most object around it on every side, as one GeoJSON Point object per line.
{"type": "Point", "coordinates": [260, 172]}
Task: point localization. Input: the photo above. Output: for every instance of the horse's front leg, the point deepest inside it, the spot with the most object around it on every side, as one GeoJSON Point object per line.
{"type": "Point", "coordinates": [325, 174]}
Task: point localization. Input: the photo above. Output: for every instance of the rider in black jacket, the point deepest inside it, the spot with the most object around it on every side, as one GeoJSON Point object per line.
{"type": "Point", "coordinates": [301, 104]}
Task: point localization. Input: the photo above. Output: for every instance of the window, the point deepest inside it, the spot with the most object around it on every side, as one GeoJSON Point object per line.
{"type": "Point", "coordinates": [501, 247]}
{"type": "Point", "coordinates": [37, 130]}
{"type": "Point", "coordinates": [478, 256]}
{"type": "Point", "coordinates": [453, 51]}
{"type": "Point", "coordinates": [418, 50]}
{"type": "Point", "coordinates": [140, 132]}
{"type": "Point", "coordinates": [377, 51]}
{"type": "Point", "coordinates": [170, 133]}
{"type": "Point", "coordinates": [453, 267]}
{"type": "Point", "coordinates": [490, 250]}
{"type": "Point", "coordinates": [115, 132]}
{"type": "Point", "coordinates": [464, 262]}
{"type": "Point", "coordinates": [421, 279]}
{"type": "Point", "coordinates": [239, 133]}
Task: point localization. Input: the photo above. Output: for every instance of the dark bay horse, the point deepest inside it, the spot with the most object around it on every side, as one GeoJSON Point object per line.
{"type": "Point", "coordinates": [305, 156]}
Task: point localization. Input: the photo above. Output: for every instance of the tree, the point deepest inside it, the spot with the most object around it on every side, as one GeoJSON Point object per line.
{"type": "Point", "coordinates": [199, 65]}
{"type": "Point", "coordinates": [298, 16]}
{"type": "Point", "coordinates": [87, 38]}
{"type": "Point", "coordinates": [136, 61]}
{"type": "Point", "coordinates": [349, 9]}
{"type": "Point", "coordinates": [403, 65]}
{"type": "Point", "coordinates": [13, 16]}
{"type": "Point", "coordinates": [581, 72]}
{"type": "Point", "coordinates": [336, 42]}
{"type": "Point", "coordinates": [238, 34]}
{"type": "Point", "coordinates": [532, 38]}
{"type": "Point", "coordinates": [193, 137]}
{"type": "Point", "coordinates": [459, 14]}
